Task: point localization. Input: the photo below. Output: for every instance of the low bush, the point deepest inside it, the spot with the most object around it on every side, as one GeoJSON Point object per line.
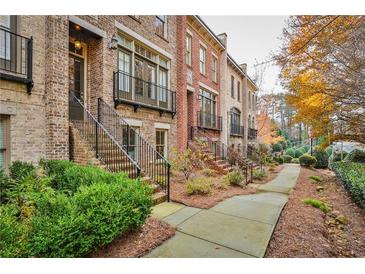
{"type": "Point", "coordinates": [307, 160]}
{"type": "Point", "coordinates": [299, 152]}
{"type": "Point", "coordinates": [287, 158]}
{"type": "Point", "coordinates": [40, 221]}
{"type": "Point", "coordinates": [277, 147]}
{"type": "Point", "coordinates": [279, 160]}
{"type": "Point", "coordinates": [305, 148]}
{"type": "Point", "coordinates": [235, 177]}
{"type": "Point", "coordinates": [259, 174]}
{"type": "Point", "coordinates": [337, 156]}
{"type": "Point", "coordinates": [329, 151]}
{"type": "Point", "coordinates": [19, 170]}
{"type": "Point", "coordinates": [209, 172]}
{"type": "Point", "coordinates": [295, 161]}
{"type": "Point", "coordinates": [356, 156]}
{"type": "Point", "coordinates": [316, 178]}
{"type": "Point", "coordinates": [290, 152]}
{"type": "Point", "coordinates": [321, 157]}
{"type": "Point", "coordinates": [352, 176]}
{"type": "Point", "coordinates": [202, 186]}
{"type": "Point", "coordinates": [318, 204]}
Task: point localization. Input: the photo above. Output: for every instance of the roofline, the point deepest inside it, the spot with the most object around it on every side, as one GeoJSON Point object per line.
{"type": "Point", "coordinates": [240, 69]}
{"type": "Point", "coordinates": [209, 30]}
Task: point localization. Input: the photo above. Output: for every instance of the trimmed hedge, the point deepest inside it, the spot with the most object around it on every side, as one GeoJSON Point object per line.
{"type": "Point", "coordinates": [43, 218]}
{"type": "Point", "coordinates": [357, 156]}
{"type": "Point", "coordinates": [295, 161]}
{"type": "Point", "coordinates": [299, 152]}
{"type": "Point", "coordinates": [277, 147]}
{"type": "Point", "coordinates": [279, 160]}
{"type": "Point", "coordinates": [352, 176]}
{"type": "Point", "coordinates": [287, 158]}
{"type": "Point", "coordinates": [321, 157]}
{"type": "Point", "coordinates": [307, 160]}
{"type": "Point", "coordinates": [290, 152]}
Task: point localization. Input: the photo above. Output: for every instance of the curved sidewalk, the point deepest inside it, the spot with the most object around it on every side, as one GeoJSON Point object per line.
{"type": "Point", "coordinates": [240, 226]}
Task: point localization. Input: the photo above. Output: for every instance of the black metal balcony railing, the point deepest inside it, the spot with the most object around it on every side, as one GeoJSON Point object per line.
{"type": "Point", "coordinates": [252, 134]}
{"type": "Point", "coordinates": [237, 130]}
{"type": "Point", "coordinates": [16, 57]}
{"type": "Point", "coordinates": [209, 121]}
{"type": "Point", "coordinates": [135, 91]}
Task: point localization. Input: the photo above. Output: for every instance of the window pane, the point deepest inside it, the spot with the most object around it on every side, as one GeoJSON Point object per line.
{"type": "Point", "coordinates": [5, 21]}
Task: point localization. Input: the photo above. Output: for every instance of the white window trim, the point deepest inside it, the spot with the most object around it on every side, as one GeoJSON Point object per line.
{"type": "Point", "coordinates": [203, 45]}
{"type": "Point", "coordinates": [143, 40]}
{"type": "Point", "coordinates": [162, 126]}
{"type": "Point", "coordinates": [190, 32]}
{"type": "Point", "coordinates": [134, 122]}
{"type": "Point", "coordinates": [204, 86]}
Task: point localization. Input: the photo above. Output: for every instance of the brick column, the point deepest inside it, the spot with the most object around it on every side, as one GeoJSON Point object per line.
{"type": "Point", "coordinates": [57, 124]}
{"type": "Point", "coordinates": [181, 87]}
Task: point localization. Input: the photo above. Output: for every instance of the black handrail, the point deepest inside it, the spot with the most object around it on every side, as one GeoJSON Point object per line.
{"type": "Point", "coordinates": [130, 89]}
{"type": "Point", "coordinates": [16, 57]}
{"type": "Point", "coordinates": [209, 121]}
{"type": "Point", "coordinates": [107, 149]}
{"type": "Point", "coordinates": [152, 163]}
{"type": "Point", "coordinates": [237, 130]}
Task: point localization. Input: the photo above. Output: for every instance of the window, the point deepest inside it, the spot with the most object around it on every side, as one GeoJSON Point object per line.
{"type": "Point", "coordinates": [249, 100]}
{"type": "Point", "coordinates": [208, 109]}
{"type": "Point", "coordinates": [214, 69]}
{"type": "Point", "coordinates": [202, 60]}
{"type": "Point", "coordinates": [5, 37]}
{"type": "Point", "coordinates": [3, 142]}
{"type": "Point", "coordinates": [249, 121]}
{"type": "Point", "coordinates": [124, 66]}
{"type": "Point", "coordinates": [160, 25]}
{"type": "Point", "coordinates": [232, 86]}
{"type": "Point", "coordinates": [163, 84]}
{"type": "Point", "coordinates": [188, 49]}
{"type": "Point", "coordinates": [130, 141]}
{"type": "Point", "coordinates": [235, 121]}
{"type": "Point", "coordinates": [238, 90]}
{"type": "Point", "coordinates": [161, 142]}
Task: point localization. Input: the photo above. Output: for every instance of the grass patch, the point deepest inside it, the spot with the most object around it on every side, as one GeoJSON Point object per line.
{"type": "Point", "coordinates": [317, 204]}
{"type": "Point", "coordinates": [316, 178]}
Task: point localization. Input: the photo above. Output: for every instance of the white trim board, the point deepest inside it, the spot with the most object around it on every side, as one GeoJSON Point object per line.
{"type": "Point", "coordinates": [208, 88]}
{"type": "Point", "coordinates": [133, 122]}
{"type": "Point", "coordinates": [162, 126]}
{"type": "Point", "coordinates": [140, 38]}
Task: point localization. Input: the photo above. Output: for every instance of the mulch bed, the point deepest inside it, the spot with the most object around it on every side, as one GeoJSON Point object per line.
{"type": "Point", "coordinates": [178, 191]}
{"type": "Point", "coordinates": [138, 243]}
{"type": "Point", "coordinates": [305, 231]}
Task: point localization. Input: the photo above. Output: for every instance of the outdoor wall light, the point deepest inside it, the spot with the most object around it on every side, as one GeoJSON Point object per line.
{"type": "Point", "coordinates": [113, 44]}
{"type": "Point", "coordinates": [77, 44]}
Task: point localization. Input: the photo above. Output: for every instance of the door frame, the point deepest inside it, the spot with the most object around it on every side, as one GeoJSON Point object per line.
{"type": "Point", "coordinates": [86, 84]}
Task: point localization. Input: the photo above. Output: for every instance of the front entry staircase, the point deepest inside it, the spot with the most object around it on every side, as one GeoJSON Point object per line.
{"type": "Point", "coordinates": [107, 136]}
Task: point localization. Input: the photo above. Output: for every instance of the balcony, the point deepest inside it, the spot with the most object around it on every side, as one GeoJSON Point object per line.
{"type": "Point", "coordinates": [140, 93]}
{"type": "Point", "coordinates": [16, 58]}
{"type": "Point", "coordinates": [237, 130]}
{"type": "Point", "coordinates": [252, 134]}
{"type": "Point", "coordinates": [209, 121]}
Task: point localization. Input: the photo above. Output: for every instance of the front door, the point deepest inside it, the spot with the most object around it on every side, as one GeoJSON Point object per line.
{"type": "Point", "coordinates": [76, 85]}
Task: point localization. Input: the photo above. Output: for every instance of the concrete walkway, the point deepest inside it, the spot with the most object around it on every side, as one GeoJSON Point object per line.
{"type": "Point", "coordinates": [239, 227]}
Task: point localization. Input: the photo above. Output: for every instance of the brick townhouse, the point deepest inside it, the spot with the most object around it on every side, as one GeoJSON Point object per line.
{"type": "Point", "coordinates": [213, 91]}
{"type": "Point", "coordinates": [119, 91]}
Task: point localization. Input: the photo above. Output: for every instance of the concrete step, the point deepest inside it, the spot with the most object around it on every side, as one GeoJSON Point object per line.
{"type": "Point", "coordinates": [159, 198]}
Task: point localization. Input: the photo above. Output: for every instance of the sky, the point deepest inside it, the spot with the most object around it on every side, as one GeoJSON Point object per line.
{"type": "Point", "coordinates": [251, 39]}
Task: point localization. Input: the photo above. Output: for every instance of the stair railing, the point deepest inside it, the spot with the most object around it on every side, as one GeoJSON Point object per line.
{"type": "Point", "coordinates": [106, 148]}
{"type": "Point", "coordinates": [152, 162]}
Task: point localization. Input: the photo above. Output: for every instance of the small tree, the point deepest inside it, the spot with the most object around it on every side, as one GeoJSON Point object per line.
{"type": "Point", "coordinates": [182, 161]}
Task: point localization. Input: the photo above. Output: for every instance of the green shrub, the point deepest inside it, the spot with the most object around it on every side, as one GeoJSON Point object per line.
{"type": "Point", "coordinates": [6, 183]}
{"type": "Point", "coordinates": [287, 158]}
{"type": "Point", "coordinates": [234, 177]}
{"type": "Point", "coordinates": [336, 157]}
{"type": "Point", "coordinates": [318, 204]}
{"type": "Point", "coordinates": [201, 186]}
{"type": "Point", "coordinates": [329, 151]}
{"type": "Point", "coordinates": [19, 170]}
{"type": "Point", "coordinates": [39, 221]}
{"type": "Point", "coordinates": [305, 148]}
{"type": "Point", "coordinates": [279, 160]}
{"type": "Point", "coordinates": [277, 147]}
{"type": "Point", "coordinates": [316, 178]}
{"type": "Point", "coordinates": [284, 144]}
{"type": "Point", "coordinates": [356, 156]}
{"type": "Point", "coordinates": [307, 160]}
{"type": "Point", "coordinates": [290, 152]}
{"type": "Point", "coordinates": [299, 152]}
{"type": "Point", "coordinates": [352, 176]}
{"type": "Point", "coordinates": [295, 161]}
{"type": "Point", "coordinates": [56, 169]}
{"type": "Point", "coordinates": [209, 172]}
{"type": "Point", "coordinates": [259, 174]}
{"type": "Point", "coordinates": [12, 240]}
{"type": "Point", "coordinates": [321, 157]}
